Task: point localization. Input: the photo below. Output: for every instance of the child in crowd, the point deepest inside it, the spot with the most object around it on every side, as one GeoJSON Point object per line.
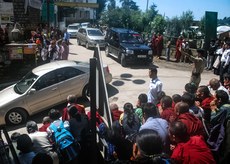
{"type": "Point", "coordinates": [46, 123]}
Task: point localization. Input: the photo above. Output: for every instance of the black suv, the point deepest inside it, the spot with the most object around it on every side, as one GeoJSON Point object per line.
{"type": "Point", "coordinates": [127, 46]}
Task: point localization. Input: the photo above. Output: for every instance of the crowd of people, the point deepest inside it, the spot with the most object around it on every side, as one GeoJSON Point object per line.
{"type": "Point", "coordinates": [188, 127]}
{"type": "Point", "coordinates": [157, 44]}
{"type": "Point", "coordinates": [52, 43]}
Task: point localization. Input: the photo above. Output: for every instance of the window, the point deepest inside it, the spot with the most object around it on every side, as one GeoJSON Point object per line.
{"type": "Point", "coordinates": [23, 85]}
{"type": "Point", "coordinates": [46, 81]}
{"type": "Point", "coordinates": [82, 31]}
{"type": "Point", "coordinates": [67, 73]}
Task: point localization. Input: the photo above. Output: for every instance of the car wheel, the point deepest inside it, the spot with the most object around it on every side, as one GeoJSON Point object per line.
{"type": "Point", "coordinates": [16, 116]}
{"type": "Point", "coordinates": [87, 45]}
{"type": "Point", "coordinates": [123, 61]}
{"type": "Point", "coordinates": [107, 51]}
{"type": "Point", "coordinates": [78, 42]}
{"type": "Point", "coordinates": [86, 92]}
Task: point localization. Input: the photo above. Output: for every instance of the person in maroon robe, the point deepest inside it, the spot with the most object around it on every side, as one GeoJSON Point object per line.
{"type": "Point", "coordinates": [188, 149]}
{"type": "Point", "coordinates": [72, 100]}
{"type": "Point", "coordinates": [193, 124]}
{"type": "Point", "coordinates": [159, 45]}
{"type": "Point", "coordinates": [115, 112]}
{"type": "Point", "coordinates": [204, 95]}
{"type": "Point", "coordinates": [178, 48]}
{"type": "Point", "coordinates": [168, 113]}
{"type": "Point", "coordinates": [153, 43]}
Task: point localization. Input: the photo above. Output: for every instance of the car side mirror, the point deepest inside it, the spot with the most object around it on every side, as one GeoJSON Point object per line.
{"type": "Point", "coordinates": [32, 91]}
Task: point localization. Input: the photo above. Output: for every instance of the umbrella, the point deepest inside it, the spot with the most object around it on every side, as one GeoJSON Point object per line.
{"type": "Point", "coordinates": [222, 29]}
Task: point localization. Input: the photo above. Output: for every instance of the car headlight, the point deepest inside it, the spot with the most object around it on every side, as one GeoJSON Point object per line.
{"type": "Point", "coordinates": [150, 52]}
{"type": "Point", "coordinates": [129, 51]}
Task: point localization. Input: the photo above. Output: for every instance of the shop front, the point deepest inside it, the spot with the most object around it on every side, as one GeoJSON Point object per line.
{"type": "Point", "coordinates": [25, 53]}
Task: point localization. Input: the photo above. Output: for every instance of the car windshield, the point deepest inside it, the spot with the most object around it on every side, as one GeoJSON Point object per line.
{"type": "Point", "coordinates": [24, 84]}
{"type": "Point", "coordinates": [131, 38]}
{"type": "Point", "coordinates": [73, 27]}
{"type": "Point", "coordinates": [95, 33]}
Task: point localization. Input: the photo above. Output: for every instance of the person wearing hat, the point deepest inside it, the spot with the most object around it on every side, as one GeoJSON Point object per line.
{"type": "Point", "coordinates": [198, 65]}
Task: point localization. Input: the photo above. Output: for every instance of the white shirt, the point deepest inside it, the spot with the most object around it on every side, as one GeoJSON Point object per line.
{"type": "Point", "coordinates": [155, 87]}
{"type": "Point", "coordinates": [225, 56]}
{"type": "Point", "coordinates": [224, 89]}
{"type": "Point", "coordinates": [55, 53]}
{"type": "Point", "coordinates": [219, 51]}
{"type": "Point", "coordinates": [40, 142]}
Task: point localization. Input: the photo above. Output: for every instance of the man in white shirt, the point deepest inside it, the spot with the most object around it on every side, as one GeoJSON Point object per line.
{"type": "Point", "coordinates": [225, 59]}
{"type": "Point", "coordinates": [40, 141]}
{"type": "Point", "coordinates": [155, 86]}
{"type": "Point", "coordinates": [216, 85]}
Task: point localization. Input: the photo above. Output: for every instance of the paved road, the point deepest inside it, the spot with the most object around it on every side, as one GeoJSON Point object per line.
{"type": "Point", "coordinates": [129, 82]}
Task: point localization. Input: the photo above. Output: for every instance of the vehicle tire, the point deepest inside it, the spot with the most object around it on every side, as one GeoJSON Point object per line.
{"type": "Point", "coordinates": [87, 45]}
{"type": "Point", "coordinates": [78, 42]}
{"type": "Point", "coordinates": [107, 51]}
{"type": "Point", "coordinates": [16, 116]}
{"type": "Point", "coordinates": [123, 61]}
{"type": "Point", "coordinates": [86, 92]}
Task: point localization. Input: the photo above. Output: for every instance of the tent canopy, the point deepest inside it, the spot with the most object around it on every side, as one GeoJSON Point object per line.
{"type": "Point", "coordinates": [222, 29]}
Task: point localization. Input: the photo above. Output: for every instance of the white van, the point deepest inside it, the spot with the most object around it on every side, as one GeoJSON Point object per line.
{"type": "Point", "coordinates": [85, 24]}
{"type": "Point", "coordinates": [72, 29]}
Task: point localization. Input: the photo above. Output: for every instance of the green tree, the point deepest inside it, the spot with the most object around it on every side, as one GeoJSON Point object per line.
{"type": "Point", "coordinates": [147, 18]}
{"type": "Point", "coordinates": [129, 4]}
{"type": "Point", "coordinates": [152, 12]}
{"type": "Point", "coordinates": [186, 19]}
{"type": "Point", "coordinates": [225, 21]}
{"type": "Point", "coordinates": [102, 5]}
{"type": "Point", "coordinates": [136, 20]}
{"type": "Point", "coordinates": [111, 5]}
{"type": "Point", "coordinates": [202, 25]}
{"type": "Point", "coordinates": [113, 18]}
{"type": "Point", "coordinates": [158, 24]}
{"type": "Point", "coordinates": [173, 27]}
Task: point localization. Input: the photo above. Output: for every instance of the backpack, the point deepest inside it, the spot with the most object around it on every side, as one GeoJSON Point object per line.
{"type": "Point", "coordinates": [63, 138]}
{"type": "Point", "coordinates": [67, 148]}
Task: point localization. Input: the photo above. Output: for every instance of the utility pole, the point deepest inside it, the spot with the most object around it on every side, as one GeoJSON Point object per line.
{"type": "Point", "coordinates": [147, 5]}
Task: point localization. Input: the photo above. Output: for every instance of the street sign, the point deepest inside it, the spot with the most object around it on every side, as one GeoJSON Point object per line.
{"type": "Point", "coordinates": [77, 4]}
{"type": "Point", "coordinates": [51, 12]}
{"type": "Point", "coordinates": [210, 27]}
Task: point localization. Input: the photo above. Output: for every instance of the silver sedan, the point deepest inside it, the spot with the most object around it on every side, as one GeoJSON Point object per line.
{"type": "Point", "coordinates": [44, 87]}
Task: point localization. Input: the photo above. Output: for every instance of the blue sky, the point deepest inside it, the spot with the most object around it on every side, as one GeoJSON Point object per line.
{"type": "Point", "coordinates": [173, 8]}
